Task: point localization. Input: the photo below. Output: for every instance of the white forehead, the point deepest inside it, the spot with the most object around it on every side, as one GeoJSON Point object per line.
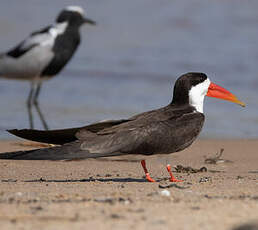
{"type": "Point", "coordinates": [77, 9]}
{"type": "Point", "coordinates": [201, 88]}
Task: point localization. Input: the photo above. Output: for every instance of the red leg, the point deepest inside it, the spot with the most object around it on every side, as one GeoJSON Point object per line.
{"type": "Point", "coordinates": [172, 178]}
{"type": "Point", "coordinates": [146, 172]}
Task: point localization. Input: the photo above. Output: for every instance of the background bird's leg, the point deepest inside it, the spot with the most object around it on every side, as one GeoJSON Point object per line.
{"type": "Point", "coordinates": [172, 178]}
{"type": "Point", "coordinates": [35, 102]}
{"type": "Point", "coordinates": [147, 175]}
{"type": "Point", "coordinates": [29, 105]}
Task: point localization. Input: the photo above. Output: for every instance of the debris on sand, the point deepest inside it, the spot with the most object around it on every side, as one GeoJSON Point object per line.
{"type": "Point", "coordinates": [188, 169]}
{"type": "Point", "coordinates": [217, 158]}
{"type": "Point", "coordinates": [165, 192]}
{"type": "Point", "coordinates": [239, 177]}
{"type": "Point", "coordinates": [234, 197]}
{"type": "Point", "coordinates": [105, 200]}
{"type": "Point", "coordinates": [9, 180]}
{"type": "Point", "coordinates": [116, 216]}
{"type": "Point", "coordinates": [205, 179]}
{"type": "Point", "coordinates": [36, 209]}
{"type": "Point", "coordinates": [254, 171]}
{"type": "Point", "coordinates": [172, 185]}
{"type": "Point", "coordinates": [112, 200]}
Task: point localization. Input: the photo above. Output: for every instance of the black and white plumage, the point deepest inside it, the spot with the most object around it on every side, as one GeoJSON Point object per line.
{"type": "Point", "coordinates": [44, 54]}
{"type": "Point", "coordinates": [161, 131]}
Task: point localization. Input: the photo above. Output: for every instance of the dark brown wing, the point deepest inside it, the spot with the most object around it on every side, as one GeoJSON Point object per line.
{"type": "Point", "coordinates": [62, 136]}
{"type": "Point", "coordinates": [157, 137]}
{"type": "Point", "coordinates": [59, 137]}
{"type": "Point", "coordinates": [144, 119]}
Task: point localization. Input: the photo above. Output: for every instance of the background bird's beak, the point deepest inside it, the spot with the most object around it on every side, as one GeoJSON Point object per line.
{"type": "Point", "coordinates": [89, 21]}
{"type": "Point", "coordinates": [221, 93]}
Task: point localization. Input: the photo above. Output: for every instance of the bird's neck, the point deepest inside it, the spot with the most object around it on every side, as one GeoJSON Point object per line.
{"type": "Point", "coordinates": [190, 101]}
{"type": "Point", "coordinates": [197, 103]}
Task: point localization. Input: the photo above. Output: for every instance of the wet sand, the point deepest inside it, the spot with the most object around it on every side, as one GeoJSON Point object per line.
{"type": "Point", "coordinates": [112, 194]}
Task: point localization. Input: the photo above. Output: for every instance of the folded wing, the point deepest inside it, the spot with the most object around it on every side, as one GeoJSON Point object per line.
{"type": "Point", "coordinates": [63, 136]}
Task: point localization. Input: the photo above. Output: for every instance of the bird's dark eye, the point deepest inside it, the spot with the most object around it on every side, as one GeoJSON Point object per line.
{"type": "Point", "coordinates": [198, 78]}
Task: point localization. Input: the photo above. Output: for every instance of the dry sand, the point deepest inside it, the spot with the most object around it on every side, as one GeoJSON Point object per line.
{"type": "Point", "coordinates": [107, 194]}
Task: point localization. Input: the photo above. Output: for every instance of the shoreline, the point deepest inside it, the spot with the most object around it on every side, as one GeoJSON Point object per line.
{"type": "Point", "coordinates": [112, 194]}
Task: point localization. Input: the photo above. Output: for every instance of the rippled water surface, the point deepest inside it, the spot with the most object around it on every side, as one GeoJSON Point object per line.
{"type": "Point", "coordinates": [128, 63]}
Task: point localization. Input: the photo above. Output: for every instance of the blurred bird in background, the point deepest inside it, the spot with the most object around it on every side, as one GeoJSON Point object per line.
{"type": "Point", "coordinates": [44, 54]}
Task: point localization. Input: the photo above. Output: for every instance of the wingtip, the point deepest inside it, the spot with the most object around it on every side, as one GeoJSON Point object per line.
{"type": "Point", "coordinates": [18, 132]}
{"type": "Point", "coordinates": [12, 131]}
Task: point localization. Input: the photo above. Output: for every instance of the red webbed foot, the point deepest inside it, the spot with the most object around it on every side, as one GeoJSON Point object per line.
{"type": "Point", "coordinates": [172, 178]}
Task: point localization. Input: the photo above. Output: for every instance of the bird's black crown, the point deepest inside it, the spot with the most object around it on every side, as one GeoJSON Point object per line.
{"type": "Point", "coordinates": [183, 85]}
{"type": "Point", "coordinates": [74, 18]}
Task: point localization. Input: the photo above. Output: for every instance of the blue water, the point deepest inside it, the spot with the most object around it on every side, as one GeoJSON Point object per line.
{"type": "Point", "coordinates": [128, 63]}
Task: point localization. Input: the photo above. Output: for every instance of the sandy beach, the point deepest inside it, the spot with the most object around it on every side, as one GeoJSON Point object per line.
{"type": "Point", "coordinates": [112, 193]}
